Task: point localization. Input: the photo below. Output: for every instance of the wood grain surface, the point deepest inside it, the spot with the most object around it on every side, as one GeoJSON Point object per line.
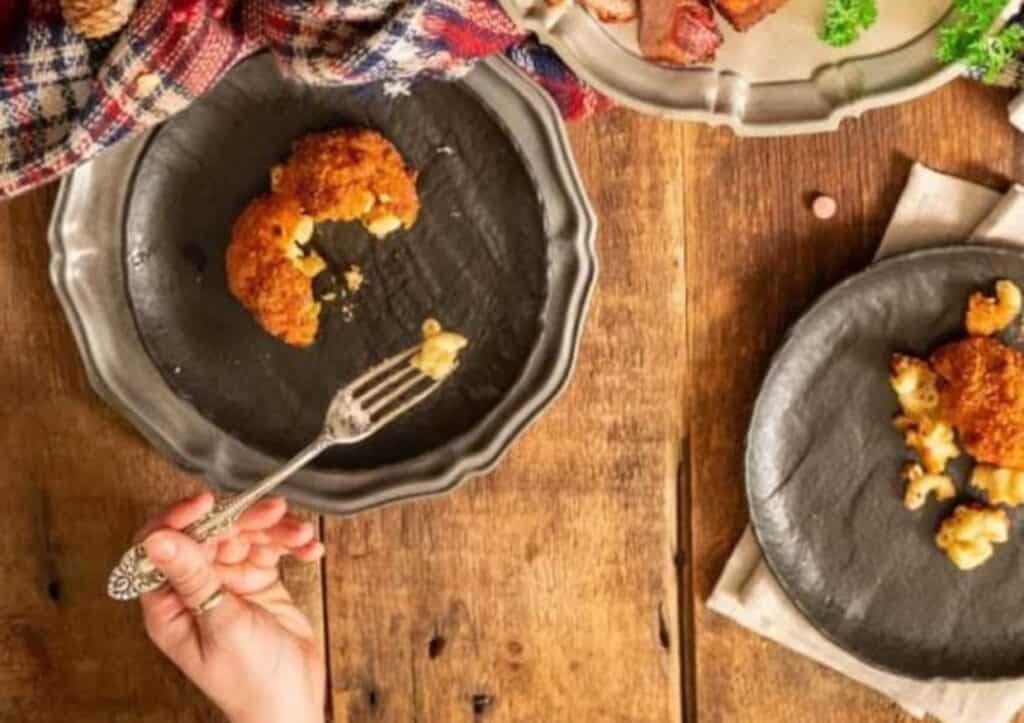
{"type": "Point", "coordinates": [568, 585]}
{"type": "Point", "coordinates": [545, 591]}
{"type": "Point", "coordinates": [76, 482]}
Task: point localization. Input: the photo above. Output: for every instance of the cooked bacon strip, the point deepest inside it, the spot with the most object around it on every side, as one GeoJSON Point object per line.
{"type": "Point", "coordinates": [683, 32]}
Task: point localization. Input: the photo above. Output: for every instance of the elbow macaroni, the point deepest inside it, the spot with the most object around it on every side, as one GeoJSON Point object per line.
{"type": "Point", "coordinates": [1002, 486]}
{"type": "Point", "coordinates": [920, 485]}
{"type": "Point", "coordinates": [967, 536]}
{"type": "Point", "coordinates": [987, 315]}
{"type": "Point", "coordinates": [933, 441]}
{"type": "Point", "coordinates": [916, 386]}
{"type": "Point", "coordinates": [438, 356]}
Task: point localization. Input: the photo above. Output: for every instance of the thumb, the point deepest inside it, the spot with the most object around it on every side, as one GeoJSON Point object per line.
{"type": "Point", "coordinates": [186, 565]}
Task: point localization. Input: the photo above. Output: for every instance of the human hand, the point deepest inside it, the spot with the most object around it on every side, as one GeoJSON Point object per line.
{"type": "Point", "coordinates": [253, 653]}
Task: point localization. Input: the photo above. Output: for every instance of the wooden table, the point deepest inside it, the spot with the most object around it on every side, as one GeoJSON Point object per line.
{"type": "Point", "coordinates": [570, 584]}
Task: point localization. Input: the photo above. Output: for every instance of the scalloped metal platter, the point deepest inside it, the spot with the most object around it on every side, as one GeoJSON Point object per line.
{"type": "Point", "coordinates": [775, 79]}
{"type": "Point", "coordinates": [503, 251]}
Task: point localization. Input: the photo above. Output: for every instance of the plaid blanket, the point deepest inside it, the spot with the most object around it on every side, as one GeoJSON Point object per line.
{"type": "Point", "coordinates": [63, 98]}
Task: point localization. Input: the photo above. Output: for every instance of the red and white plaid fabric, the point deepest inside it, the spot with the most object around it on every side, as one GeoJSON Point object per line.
{"type": "Point", "coordinates": [63, 98]}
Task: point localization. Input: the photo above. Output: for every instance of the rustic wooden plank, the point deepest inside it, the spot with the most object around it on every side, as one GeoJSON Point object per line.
{"type": "Point", "coordinates": [756, 258]}
{"type": "Point", "coordinates": [76, 483]}
{"type": "Point", "coordinates": [545, 591]}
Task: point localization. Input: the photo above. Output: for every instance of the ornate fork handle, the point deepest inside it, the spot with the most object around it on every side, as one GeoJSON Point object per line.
{"type": "Point", "coordinates": [135, 574]}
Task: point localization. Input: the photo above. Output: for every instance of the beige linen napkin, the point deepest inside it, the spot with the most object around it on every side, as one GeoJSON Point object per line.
{"type": "Point", "coordinates": [934, 209]}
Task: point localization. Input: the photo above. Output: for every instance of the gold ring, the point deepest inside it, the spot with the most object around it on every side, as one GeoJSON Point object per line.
{"type": "Point", "coordinates": [209, 603]}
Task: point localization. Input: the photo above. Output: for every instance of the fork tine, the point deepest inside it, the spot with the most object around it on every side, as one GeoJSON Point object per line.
{"type": "Point", "coordinates": [377, 424]}
{"type": "Point", "coordinates": [399, 375]}
{"type": "Point", "coordinates": [391, 396]}
{"type": "Point", "coordinates": [384, 366]}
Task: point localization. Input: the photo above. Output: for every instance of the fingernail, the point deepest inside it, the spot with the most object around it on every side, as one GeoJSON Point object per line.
{"type": "Point", "coordinates": [160, 548]}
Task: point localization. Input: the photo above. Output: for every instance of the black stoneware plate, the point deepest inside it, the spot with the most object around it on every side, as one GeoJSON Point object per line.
{"type": "Point", "coordinates": [502, 252]}
{"type": "Point", "coordinates": [476, 259]}
{"type": "Point", "coordinates": [824, 487]}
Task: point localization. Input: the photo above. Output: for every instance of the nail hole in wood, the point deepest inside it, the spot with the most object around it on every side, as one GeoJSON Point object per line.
{"type": "Point", "coordinates": [54, 590]}
{"type": "Point", "coordinates": [371, 697]}
{"type": "Point", "coordinates": [663, 636]}
{"type": "Point", "coordinates": [436, 646]}
{"type": "Point", "coordinates": [481, 702]}
{"type": "Point", "coordinates": [679, 559]}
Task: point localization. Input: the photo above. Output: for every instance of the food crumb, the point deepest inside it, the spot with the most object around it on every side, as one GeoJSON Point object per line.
{"type": "Point", "coordinates": [354, 278]}
{"type": "Point", "coordinates": [330, 296]}
{"type": "Point", "coordinates": [446, 151]}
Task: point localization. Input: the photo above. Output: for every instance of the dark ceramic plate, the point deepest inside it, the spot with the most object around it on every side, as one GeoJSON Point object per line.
{"type": "Point", "coordinates": [824, 488]}
{"type": "Point", "coordinates": [476, 259]}
{"type": "Point", "coordinates": [502, 252]}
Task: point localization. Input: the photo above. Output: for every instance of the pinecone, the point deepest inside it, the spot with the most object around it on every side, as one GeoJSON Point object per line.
{"type": "Point", "coordinates": [96, 18]}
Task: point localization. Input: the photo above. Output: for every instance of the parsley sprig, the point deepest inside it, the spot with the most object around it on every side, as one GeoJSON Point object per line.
{"type": "Point", "coordinates": [966, 37]}
{"type": "Point", "coordinates": [845, 20]}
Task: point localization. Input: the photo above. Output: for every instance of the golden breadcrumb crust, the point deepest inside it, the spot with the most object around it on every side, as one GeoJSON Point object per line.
{"type": "Point", "coordinates": [348, 175]}
{"type": "Point", "coordinates": [981, 390]}
{"type": "Point", "coordinates": [264, 273]}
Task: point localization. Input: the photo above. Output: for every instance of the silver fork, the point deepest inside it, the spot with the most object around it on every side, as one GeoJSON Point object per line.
{"type": "Point", "coordinates": [358, 410]}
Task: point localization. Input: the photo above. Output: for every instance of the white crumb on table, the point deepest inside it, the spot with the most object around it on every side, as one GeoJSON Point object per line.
{"type": "Point", "coordinates": [824, 207]}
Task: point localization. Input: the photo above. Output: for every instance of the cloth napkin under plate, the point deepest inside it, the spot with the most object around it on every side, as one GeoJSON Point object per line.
{"type": "Point", "coordinates": [935, 209]}
{"type": "Point", "coordinates": [63, 98]}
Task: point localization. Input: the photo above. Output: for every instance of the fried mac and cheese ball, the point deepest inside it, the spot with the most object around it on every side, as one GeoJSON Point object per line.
{"type": "Point", "coordinates": [352, 174]}
{"type": "Point", "coordinates": [981, 393]}
{"type": "Point", "coordinates": [987, 316]}
{"type": "Point", "coordinates": [967, 536]}
{"type": "Point", "coordinates": [1002, 486]}
{"type": "Point", "coordinates": [270, 273]}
